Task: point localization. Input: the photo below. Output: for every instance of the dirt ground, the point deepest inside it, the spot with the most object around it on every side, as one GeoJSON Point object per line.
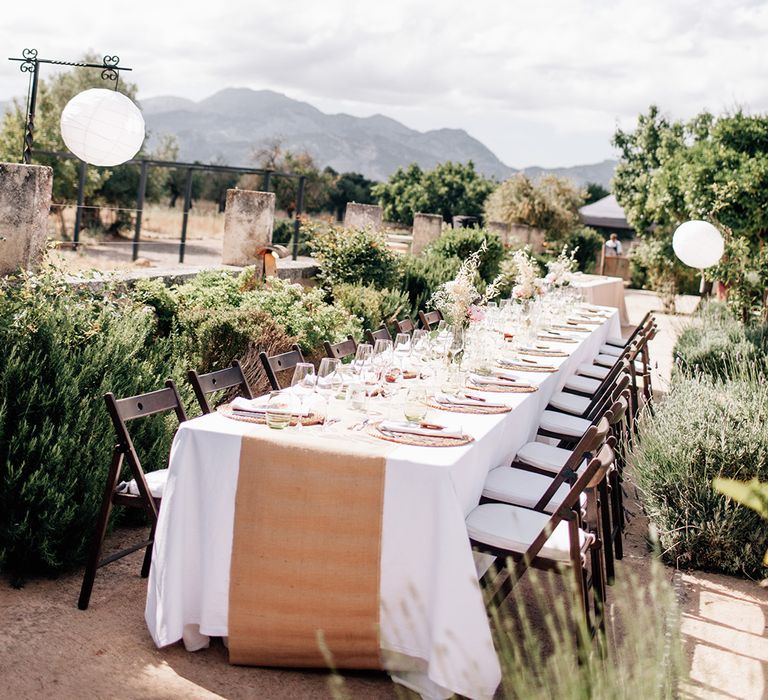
{"type": "Point", "coordinates": [50, 649]}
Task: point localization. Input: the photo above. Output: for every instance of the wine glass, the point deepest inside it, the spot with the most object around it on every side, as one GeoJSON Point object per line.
{"type": "Point", "coordinates": [329, 381]}
{"type": "Point", "coordinates": [362, 357]}
{"type": "Point", "coordinates": [402, 349]}
{"type": "Point", "coordinates": [303, 384]}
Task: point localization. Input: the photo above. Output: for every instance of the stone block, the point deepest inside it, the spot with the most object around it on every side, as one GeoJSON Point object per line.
{"type": "Point", "coordinates": [25, 202]}
{"type": "Point", "coordinates": [426, 228]}
{"type": "Point", "coordinates": [363, 216]}
{"type": "Point", "coordinates": [248, 221]}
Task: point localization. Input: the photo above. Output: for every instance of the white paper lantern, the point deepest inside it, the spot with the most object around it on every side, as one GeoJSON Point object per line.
{"type": "Point", "coordinates": [698, 244]}
{"type": "Point", "coordinates": [102, 127]}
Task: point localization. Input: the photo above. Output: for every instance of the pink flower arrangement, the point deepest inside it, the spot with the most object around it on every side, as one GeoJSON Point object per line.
{"type": "Point", "coordinates": [475, 313]}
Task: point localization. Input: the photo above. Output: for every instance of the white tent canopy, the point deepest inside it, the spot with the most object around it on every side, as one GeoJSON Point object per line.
{"type": "Point", "coordinates": [605, 213]}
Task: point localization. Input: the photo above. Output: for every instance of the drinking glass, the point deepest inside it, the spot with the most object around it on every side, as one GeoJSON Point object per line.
{"type": "Point", "coordinates": [357, 398]}
{"type": "Point", "coordinates": [362, 357]}
{"type": "Point", "coordinates": [303, 384]}
{"type": "Point", "coordinates": [329, 379]}
{"type": "Point", "coordinates": [415, 408]}
{"type": "Point", "coordinates": [280, 409]}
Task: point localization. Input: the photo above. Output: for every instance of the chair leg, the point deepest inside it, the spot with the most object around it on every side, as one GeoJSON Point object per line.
{"type": "Point", "coordinates": [605, 531]}
{"type": "Point", "coordinates": [101, 531]}
{"type": "Point", "coordinates": [617, 513]}
{"type": "Point", "coordinates": [148, 553]}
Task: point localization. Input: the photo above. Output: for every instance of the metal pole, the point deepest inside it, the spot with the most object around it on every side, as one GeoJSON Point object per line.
{"type": "Point", "coordinates": [185, 218]}
{"type": "Point", "coordinates": [299, 211]}
{"type": "Point", "coordinates": [265, 181]}
{"type": "Point", "coordinates": [26, 157]}
{"type": "Point", "coordinates": [139, 209]}
{"type": "Point", "coordinates": [80, 201]}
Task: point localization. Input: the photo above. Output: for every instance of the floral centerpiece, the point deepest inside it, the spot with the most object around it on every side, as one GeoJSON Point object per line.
{"type": "Point", "coordinates": [528, 285]}
{"type": "Point", "coordinates": [560, 270]}
{"type": "Point", "coordinates": [459, 300]}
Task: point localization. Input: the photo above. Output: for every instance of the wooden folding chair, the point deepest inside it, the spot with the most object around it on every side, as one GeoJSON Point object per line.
{"type": "Point", "coordinates": [429, 319]}
{"type": "Point", "coordinates": [405, 326]}
{"type": "Point", "coordinates": [520, 539]}
{"type": "Point", "coordinates": [381, 333]}
{"type": "Point", "coordinates": [280, 363]}
{"type": "Point", "coordinates": [340, 351]}
{"type": "Point", "coordinates": [121, 411]}
{"type": "Point", "coordinates": [205, 384]}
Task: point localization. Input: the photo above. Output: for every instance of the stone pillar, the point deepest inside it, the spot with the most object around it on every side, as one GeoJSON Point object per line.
{"type": "Point", "coordinates": [363, 216]}
{"type": "Point", "coordinates": [25, 202]}
{"type": "Point", "coordinates": [426, 228]}
{"type": "Point", "coordinates": [248, 220]}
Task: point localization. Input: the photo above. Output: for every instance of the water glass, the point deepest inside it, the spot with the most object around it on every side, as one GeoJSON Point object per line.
{"type": "Point", "coordinates": [281, 407]}
{"type": "Point", "coordinates": [415, 408]}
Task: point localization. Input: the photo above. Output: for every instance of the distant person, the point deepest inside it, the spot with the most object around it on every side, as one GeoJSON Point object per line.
{"type": "Point", "coordinates": [613, 247]}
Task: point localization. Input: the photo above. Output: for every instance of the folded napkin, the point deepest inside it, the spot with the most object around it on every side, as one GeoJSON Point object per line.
{"type": "Point", "coordinates": [481, 380]}
{"type": "Point", "coordinates": [522, 364]}
{"type": "Point", "coordinates": [415, 429]}
{"type": "Point", "coordinates": [257, 406]}
{"type": "Point", "coordinates": [467, 400]}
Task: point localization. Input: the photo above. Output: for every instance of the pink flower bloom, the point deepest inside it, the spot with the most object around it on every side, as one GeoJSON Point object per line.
{"type": "Point", "coordinates": [475, 313]}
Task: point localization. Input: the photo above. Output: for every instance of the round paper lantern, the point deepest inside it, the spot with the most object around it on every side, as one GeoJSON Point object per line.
{"type": "Point", "coordinates": [102, 127]}
{"type": "Point", "coordinates": [698, 244]}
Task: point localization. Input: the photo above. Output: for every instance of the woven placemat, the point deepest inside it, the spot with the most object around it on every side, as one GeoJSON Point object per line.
{"type": "Point", "coordinates": [479, 410]}
{"type": "Point", "coordinates": [524, 367]}
{"type": "Point", "coordinates": [226, 410]}
{"type": "Point", "coordinates": [417, 440]}
{"type": "Point", "coordinates": [543, 353]}
{"type": "Point", "coordinates": [498, 389]}
{"type": "Point", "coordinates": [557, 338]}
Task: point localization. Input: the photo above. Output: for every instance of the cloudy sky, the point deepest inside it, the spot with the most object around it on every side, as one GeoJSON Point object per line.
{"type": "Point", "coordinates": [541, 82]}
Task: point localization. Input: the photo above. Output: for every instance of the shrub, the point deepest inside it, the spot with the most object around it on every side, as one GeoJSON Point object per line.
{"type": "Point", "coordinates": [588, 243]}
{"type": "Point", "coordinates": [282, 234]}
{"type": "Point", "coordinates": [423, 274]}
{"type": "Point", "coordinates": [302, 313]}
{"type": "Point", "coordinates": [654, 262]}
{"type": "Point", "coordinates": [372, 306]}
{"type": "Point", "coordinates": [354, 256]}
{"type": "Point", "coordinates": [63, 349]}
{"type": "Point", "coordinates": [705, 428]}
{"type": "Point", "coordinates": [718, 345]}
{"type": "Point", "coordinates": [209, 290]}
{"type": "Point", "coordinates": [462, 242]}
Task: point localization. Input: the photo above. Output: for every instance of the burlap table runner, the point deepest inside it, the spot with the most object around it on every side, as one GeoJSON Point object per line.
{"type": "Point", "coordinates": [306, 551]}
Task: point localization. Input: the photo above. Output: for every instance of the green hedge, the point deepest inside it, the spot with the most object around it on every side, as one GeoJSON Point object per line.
{"type": "Point", "coordinates": [705, 428]}
{"type": "Point", "coordinates": [65, 347]}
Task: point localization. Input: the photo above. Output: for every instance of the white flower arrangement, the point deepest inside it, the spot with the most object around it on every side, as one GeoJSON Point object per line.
{"type": "Point", "coordinates": [458, 300]}
{"type": "Point", "coordinates": [560, 270]}
{"type": "Point", "coordinates": [527, 283]}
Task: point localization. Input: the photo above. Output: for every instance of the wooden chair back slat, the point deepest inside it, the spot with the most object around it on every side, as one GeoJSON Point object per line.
{"type": "Point", "coordinates": [342, 350]}
{"type": "Point", "coordinates": [280, 363]}
{"type": "Point", "coordinates": [430, 318]}
{"type": "Point", "coordinates": [219, 380]}
{"type": "Point", "coordinates": [405, 326]}
{"type": "Point", "coordinates": [381, 333]}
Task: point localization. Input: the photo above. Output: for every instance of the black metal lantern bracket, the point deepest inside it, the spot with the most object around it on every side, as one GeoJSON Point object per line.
{"type": "Point", "coordinates": [30, 63]}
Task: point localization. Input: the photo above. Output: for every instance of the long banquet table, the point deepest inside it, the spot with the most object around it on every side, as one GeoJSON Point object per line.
{"type": "Point", "coordinates": [434, 633]}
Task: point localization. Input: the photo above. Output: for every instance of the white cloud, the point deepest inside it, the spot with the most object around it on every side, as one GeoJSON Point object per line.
{"type": "Point", "coordinates": [538, 82]}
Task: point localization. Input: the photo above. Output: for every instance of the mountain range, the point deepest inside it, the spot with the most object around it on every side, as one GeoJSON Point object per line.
{"type": "Point", "coordinates": [231, 124]}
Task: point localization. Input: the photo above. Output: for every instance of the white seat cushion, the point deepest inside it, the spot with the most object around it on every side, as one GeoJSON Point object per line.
{"type": "Point", "coordinates": [514, 529]}
{"type": "Point", "coordinates": [155, 481]}
{"type": "Point", "coordinates": [590, 370]}
{"type": "Point", "coordinates": [583, 384]}
{"type": "Point", "coordinates": [618, 342]}
{"type": "Point", "coordinates": [564, 424]}
{"type": "Point", "coordinates": [570, 403]}
{"type": "Point", "coordinates": [605, 360]}
{"type": "Point", "coordinates": [543, 456]}
{"type": "Point", "coordinates": [611, 350]}
{"type": "Point", "coordinates": [522, 488]}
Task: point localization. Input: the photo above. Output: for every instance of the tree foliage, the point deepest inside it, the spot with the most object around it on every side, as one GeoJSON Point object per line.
{"type": "Point", "coordinates": [595, 191]}
{"type": "Point", "coordinates": [348, 187]}
{"type": "Point", "coordinates": [449, 189]}
{"type": "Point", "coordinates": [550, 203]}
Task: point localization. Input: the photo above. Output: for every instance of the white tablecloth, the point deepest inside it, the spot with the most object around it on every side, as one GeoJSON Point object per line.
{"type": "Point", "coordinates": [603, 291]}
{"type": "Point", "coordinates": [435, 632]}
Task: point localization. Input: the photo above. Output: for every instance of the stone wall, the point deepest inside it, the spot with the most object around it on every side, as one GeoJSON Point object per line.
{"type": "Point", "coordinates": [426, 228]}
{"type": "Point", "coordinates": [25, 201]}
{"type": "Point", "coordinates": [248, 221]}
{"type": "Point", "coordinates": [363, 216]}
